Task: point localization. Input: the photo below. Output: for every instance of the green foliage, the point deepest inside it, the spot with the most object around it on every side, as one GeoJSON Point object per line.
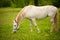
{"type": "Point", "coordinates": [22, 3]}
{"type": "Point", "coordinates": [36, 2]}
{"type": "Point", "coordinates": [45, 2]}
{"type": "Point", "coordinates": [5, 3]}
{"type": "Point", "coordinates": [56, 3]}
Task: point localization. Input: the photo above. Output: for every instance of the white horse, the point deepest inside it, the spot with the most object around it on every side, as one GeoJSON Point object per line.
{"type": "Point", "coordinates": [37, 12]}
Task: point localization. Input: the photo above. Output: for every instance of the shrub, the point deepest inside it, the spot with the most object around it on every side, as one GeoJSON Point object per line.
{"type": "Point", "coordinates": [5, 3]}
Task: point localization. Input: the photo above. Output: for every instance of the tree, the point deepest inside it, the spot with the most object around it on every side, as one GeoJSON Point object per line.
{"type": "Point", "coordinates": [36, 2]}
{"type": "Point", "coordinates": [56, 3]}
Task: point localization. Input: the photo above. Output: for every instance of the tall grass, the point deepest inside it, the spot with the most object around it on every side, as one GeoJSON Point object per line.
{"type": "Point", "coordinates": [7, 15]}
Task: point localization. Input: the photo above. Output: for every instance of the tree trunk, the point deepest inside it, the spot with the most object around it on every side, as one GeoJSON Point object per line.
{"type": "Point", "coordinates": [36, 2]}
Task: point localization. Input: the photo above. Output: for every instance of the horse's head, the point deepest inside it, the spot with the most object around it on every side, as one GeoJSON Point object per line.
{"type": "Point", "coordinates": [15, 25]}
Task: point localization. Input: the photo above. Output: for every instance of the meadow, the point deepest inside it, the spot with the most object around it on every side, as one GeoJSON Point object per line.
{"type": "Point", "coordinates": [7, 16]}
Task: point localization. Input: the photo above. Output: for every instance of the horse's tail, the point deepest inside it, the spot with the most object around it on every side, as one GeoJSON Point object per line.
{"type": "Point", "coordinates": [56, 21]}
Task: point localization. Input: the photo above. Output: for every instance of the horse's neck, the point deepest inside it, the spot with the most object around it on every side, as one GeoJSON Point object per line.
{"type": "Point", "coordinates": [19, 17]}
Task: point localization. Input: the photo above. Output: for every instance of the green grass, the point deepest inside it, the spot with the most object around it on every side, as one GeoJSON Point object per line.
{"type": "Point", "coordinates": [7, 15]}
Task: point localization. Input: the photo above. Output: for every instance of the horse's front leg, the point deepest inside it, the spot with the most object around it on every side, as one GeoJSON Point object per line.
{"type": "Point", "coordinates": [34, 22]}
{"type": "Point", "coordinates": [31, 25]}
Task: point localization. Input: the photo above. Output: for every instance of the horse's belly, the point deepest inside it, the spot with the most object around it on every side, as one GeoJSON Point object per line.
{"type": "Point", "coordinates": [41, 16]}
{"type": "Point", "coordinates": [36, 15]}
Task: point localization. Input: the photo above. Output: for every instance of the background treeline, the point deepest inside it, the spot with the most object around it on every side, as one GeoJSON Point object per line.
{"type": "Point", "coordinates": [22, 3]}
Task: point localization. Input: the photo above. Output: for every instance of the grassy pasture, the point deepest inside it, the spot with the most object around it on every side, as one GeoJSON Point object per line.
{"type": "Point", "coordinates": [7, 15]}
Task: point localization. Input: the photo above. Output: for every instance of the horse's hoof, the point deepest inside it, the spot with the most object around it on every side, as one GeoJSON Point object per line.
{"type": "Point", "coordinates": [38, 31]}
{"type": "Point", "coordinates": [51, 31]}
{"type": "Point", "coordinates": [31, 30]}
{"type": "Point", "coordinates": [57, 30]}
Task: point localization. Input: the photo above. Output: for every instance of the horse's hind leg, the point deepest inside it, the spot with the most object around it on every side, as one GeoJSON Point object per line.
{"type": "Point", "coordinates": [34, 22]}
{"type": "Point", "coordinates": [52, 23]}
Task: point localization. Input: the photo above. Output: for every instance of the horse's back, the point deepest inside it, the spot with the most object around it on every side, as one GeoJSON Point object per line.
{"type": "Point", "coordinates": [39, 11]}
